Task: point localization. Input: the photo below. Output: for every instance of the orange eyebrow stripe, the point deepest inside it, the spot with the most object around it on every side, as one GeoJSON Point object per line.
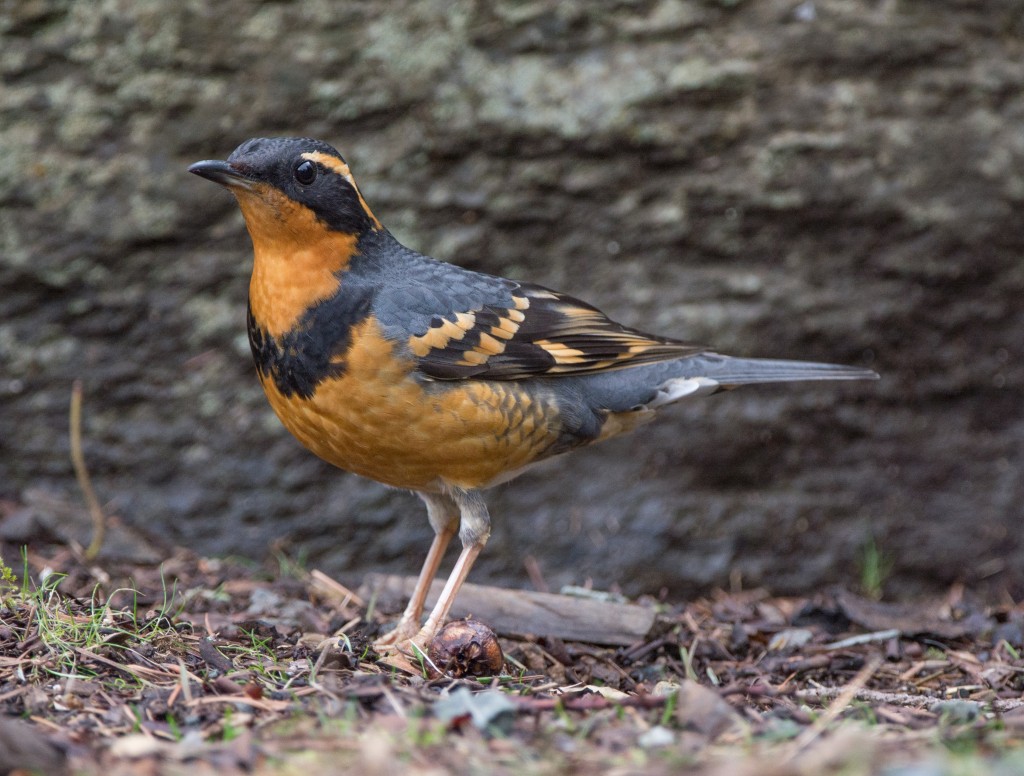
{"type": "Point", "coordinates": [331, 163]}
{"type": "Point", "coordinates": [334, 164]}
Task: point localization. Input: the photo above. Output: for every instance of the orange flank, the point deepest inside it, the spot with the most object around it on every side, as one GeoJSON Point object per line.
{"type": "Point", "coordinates": [378, 422]}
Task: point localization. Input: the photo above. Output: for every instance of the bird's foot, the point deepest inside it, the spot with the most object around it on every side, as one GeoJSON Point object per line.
{"type": "Point", "coordinates": [407, 651]}
{"type": "Point", "coordinates": [405, 630]}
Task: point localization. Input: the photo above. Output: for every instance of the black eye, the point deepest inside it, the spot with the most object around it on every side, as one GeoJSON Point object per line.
{"type": "Point", "coordinates": [305, 173]}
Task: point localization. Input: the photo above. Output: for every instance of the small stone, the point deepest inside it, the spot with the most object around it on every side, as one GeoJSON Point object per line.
{"type": "Point", "coordinates": [655, 737]}
{"type": "Point", "coordinates": [957, 712]}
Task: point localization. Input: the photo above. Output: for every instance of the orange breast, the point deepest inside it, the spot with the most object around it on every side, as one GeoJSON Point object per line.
{"type": "Point", "coordinates": [378, 421]}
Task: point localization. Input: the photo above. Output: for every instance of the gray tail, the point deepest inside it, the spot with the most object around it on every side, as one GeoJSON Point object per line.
{"type": "Point", "coordinates": [726, 370]}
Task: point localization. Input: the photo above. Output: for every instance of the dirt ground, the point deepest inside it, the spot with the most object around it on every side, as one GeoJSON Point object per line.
{"type": "Point", "coordinates": [204, 666]}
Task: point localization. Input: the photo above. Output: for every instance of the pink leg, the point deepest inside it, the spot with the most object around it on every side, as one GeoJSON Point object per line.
{"type": "Point", "coordinates": [451, 589]}
{"type": "Point", "coordinates": [475, 528]}
{"type": "Point", "coordinates": [443, 514]}
{"type": "Point", "coordinates": [409, 623]}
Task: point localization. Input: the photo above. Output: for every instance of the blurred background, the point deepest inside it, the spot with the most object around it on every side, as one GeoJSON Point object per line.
{"type": "Point", "coordinates": [836, 180]}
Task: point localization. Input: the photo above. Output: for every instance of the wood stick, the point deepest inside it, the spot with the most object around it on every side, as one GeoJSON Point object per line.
{"type": "Point", "coordinates": [528, 613]}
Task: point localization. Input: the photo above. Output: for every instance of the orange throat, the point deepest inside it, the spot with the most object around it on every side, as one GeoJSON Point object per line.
{"type": "Point", "coordinates": [297, 261]}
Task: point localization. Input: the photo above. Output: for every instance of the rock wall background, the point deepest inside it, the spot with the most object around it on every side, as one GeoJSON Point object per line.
{"type": "Point", "coordinates": [833, 179]}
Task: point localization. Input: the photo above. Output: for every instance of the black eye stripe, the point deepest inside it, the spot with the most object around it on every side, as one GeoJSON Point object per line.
{"type": "Point", "coordinates": [305, 172]}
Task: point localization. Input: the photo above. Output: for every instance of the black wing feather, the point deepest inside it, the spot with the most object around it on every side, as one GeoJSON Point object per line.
{"type": "Point", "coordinates": [552, 334]}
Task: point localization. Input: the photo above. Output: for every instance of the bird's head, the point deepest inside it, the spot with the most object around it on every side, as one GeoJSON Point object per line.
{"type": "Point", "coordinates": [290, 185]}
{"type": "Point", "coordinates": [306, 218]}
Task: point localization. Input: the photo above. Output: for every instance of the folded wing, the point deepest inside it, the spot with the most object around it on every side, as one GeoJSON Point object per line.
{"type": "Point", "coordinates": [536, 332]}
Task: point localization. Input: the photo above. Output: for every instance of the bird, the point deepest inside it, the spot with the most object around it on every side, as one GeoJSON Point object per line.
{"type": "Point", "coordinates": [430, 377]}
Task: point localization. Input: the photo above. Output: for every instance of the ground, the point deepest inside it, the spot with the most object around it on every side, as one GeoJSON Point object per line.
{"type": "Point", "coordinates": [203, 666]}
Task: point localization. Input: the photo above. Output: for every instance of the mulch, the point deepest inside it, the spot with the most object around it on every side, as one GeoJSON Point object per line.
{"type": "Point", "coordinates": [195, 665]}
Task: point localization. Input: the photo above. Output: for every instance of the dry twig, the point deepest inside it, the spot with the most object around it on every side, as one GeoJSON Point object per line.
{"type": "Point", "coordinates": [99, 520]}
{"type": "Point", "coordinates": [842, 700]}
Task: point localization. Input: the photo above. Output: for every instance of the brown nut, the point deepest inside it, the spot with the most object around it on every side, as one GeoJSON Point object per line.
{"type": "Point", "coordinates": [466, 648]}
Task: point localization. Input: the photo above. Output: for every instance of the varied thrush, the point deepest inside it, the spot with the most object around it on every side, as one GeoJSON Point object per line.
{"type": "Point", "coordinates": [429, 377]}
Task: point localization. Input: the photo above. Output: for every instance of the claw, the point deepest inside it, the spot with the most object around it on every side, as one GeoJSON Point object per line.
{"type": "Point", "coordinates": [407, 653]}
{"type": "Point", "coordinates": [404, 631]}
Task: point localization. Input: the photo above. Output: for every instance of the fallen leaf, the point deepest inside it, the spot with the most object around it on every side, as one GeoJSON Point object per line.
{"type": "Point", "coordinates": [702, 709]}
{"type": "Point", "coordinates": [485, 710]}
